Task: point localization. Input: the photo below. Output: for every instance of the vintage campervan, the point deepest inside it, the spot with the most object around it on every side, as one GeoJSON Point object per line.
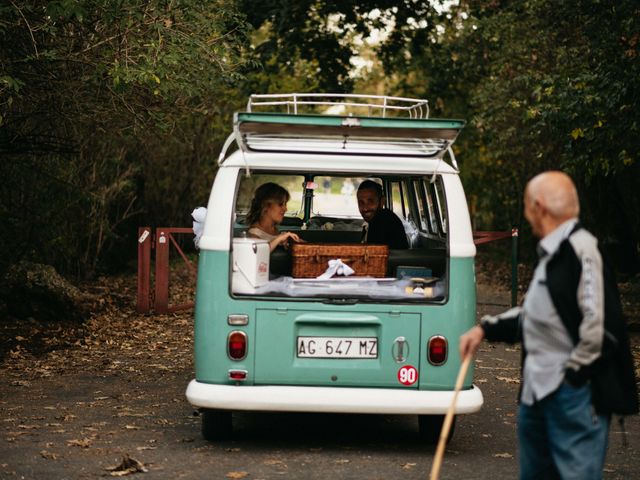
{"type": "Point", "coordinates": [267, 340]}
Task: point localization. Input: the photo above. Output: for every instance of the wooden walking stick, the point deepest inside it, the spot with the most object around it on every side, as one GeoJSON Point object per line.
{"type": "Point", "coordinates": [448, 420]}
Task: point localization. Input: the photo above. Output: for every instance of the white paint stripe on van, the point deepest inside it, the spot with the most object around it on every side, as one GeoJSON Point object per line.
{"type": "Point", "coordinates": [460, 233]}
{"type": "Point", "coordinates": [220, 211]}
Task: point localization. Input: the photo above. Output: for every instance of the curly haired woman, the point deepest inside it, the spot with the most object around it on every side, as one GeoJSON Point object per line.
{"type": "Point", "coordinates": [268, 206]}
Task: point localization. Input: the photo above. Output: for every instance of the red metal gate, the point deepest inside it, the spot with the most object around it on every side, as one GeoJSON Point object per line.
{"type": "Point", "coordinates": [157, 300]}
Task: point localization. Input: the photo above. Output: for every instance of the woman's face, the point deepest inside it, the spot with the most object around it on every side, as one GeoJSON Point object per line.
{"type": "Point", "coordinates": [275, 210]}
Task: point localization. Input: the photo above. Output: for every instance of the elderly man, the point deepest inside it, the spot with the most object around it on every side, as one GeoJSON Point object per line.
{"type": "Point", "coordinates": [563, 419]}
{"type": "Point", "coordinates": [382, 226]}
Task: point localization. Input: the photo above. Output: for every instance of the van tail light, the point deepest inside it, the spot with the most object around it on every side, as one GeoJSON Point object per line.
{"type": "Point", "coordinates": [437, 349]}
{"type": "Point", "coordinates": [238, 375]}
{"type": "Point", "coordinates": [237, 345]}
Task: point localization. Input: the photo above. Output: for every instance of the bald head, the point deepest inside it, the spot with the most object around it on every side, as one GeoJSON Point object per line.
{"type": "Point", "coordinates": [556, 192]}
{"type": "Point", "coordinates": [550, 199]}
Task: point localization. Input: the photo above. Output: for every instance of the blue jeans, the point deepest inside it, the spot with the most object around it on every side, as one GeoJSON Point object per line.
{"type": "Point", "coordinates": [561, 436]}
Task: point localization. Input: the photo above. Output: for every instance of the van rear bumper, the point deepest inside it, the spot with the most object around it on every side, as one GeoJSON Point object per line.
{"type": "Point", "coordinates": [331, 399]}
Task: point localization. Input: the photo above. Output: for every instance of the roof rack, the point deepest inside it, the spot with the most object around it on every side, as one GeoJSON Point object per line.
{"type": "Point", "coordinates": [340, 104]}
{"type": "Point", "coordinates": [343, 124]}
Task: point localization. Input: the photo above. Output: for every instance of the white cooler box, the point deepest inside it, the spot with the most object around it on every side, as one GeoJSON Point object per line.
{"type": "Point", "coordinates": [250, 264]}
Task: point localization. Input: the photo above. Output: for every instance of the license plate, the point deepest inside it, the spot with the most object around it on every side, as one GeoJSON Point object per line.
{"type": "Point", "coordinates": [337, 347]}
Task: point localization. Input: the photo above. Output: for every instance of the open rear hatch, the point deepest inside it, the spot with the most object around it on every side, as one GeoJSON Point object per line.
{"type": "Point", "coordinates": [312, 133]}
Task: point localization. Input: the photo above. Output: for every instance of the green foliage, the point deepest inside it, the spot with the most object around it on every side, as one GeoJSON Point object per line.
{"type": "Point", "coordinates": [107, 110]}
{"type": "Point", "coordinates": [545, 85]}
{"type": "Point", "coordinates": [318, 35]}
{"type": "Point", "coordinates": [112, 112]}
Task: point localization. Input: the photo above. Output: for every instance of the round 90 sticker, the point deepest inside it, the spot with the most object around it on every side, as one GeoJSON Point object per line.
{"type": "Point", "coordinates": [407, 375]}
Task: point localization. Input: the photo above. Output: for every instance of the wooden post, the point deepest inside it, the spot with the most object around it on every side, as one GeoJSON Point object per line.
{"type": "Point", "coordinates": [162, 271]}
{"type": "Point", "coordinates": [514, 266]}
{"type": "Point", "coordinates": [143, 304]}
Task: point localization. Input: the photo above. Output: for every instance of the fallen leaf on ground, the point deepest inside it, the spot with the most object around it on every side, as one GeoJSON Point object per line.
{"type": "Point", "coordinates": [408, 466]}
{"type": "Point", "coordinates": [508, 379]}
{"type": "Point", "coordinates": [236, 474]}
{"type": "Point", "coordinates": [128, 466]}
{"type": "Point", "coordinates": [503, 455]}
{"type": "Point", "coordinates": [276, 462]}
{"type": "Point", "coordinates": [84, 443]}
{"type": "Point", "coordinates": [48, 455]}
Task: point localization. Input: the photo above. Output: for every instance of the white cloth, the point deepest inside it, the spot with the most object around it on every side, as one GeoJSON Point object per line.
{"type": "Point", "coordinates": [336, 267]}
{"type": "Point", "coordinates": [199, 215]}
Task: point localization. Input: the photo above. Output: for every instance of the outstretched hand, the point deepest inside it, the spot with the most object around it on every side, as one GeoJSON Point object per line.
{"type": "Point", "coordinates": [470, 341]}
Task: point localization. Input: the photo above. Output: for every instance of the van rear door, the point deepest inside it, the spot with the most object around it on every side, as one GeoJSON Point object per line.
{"type": "Point", "coordinates": [336, 348]}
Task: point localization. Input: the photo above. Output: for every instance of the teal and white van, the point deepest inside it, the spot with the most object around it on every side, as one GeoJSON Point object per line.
{"type": "Point", "coordinates": [265, 341]}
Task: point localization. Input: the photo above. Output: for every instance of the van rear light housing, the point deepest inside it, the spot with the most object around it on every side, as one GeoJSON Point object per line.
{"type": "Point", "coordinates": [437, 350]}
{"type": "Point", "coordinates": [238, 375]}
{"type": "Point", "coordinates": [237, 345]}
{"type": "Point", "coordinates": [238, 319]}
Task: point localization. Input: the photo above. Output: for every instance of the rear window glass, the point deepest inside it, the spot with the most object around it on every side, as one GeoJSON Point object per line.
{"type": "Point", "coordinates": [399, 200]}
{"type": "Point", "coordinates": [294, 184]}
{"type": "Point", "coordinates": [323, 211]}
{"type": "Point", "coordinates": [442, 211]}
{"type": "Point", "coordinates": [335, 197]}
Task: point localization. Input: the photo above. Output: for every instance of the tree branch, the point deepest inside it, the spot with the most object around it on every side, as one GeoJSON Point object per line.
{"type": "Point", "coordinates": [33, 40]}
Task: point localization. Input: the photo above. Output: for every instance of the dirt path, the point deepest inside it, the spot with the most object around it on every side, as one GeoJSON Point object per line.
{"type": "Point", "coordinates": [75, 400]}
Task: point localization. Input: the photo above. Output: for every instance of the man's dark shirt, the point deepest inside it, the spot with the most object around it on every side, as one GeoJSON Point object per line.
{"type": "Point", "coordinates": [387, 229]}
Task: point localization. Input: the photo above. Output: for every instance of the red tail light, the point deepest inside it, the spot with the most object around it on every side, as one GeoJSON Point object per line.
{"type": "Point", "coordinates": [238, 375]}
{"type": "Point", "coordinates": [237, 345]}
{"type": "Point", "coordinates": [437, 349]}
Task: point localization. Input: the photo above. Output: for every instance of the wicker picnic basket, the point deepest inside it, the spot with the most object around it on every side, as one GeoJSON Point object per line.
{"type": "Point", "coordinates": [310, 260]}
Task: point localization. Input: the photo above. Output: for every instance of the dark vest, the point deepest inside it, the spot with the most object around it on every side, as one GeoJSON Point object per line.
{"type": "Point", "coordinates": [612, 375]}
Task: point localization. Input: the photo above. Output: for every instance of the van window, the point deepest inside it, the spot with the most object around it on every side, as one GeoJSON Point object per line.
{"type": "Point", "coordinates": [430, 202]}
{"type": "Point", "coordinates": [419, 197]}
{"type": "Point", "coordinates": [399, 203]}
{"type": "Point", "coordinates": [335, 197]}
{"type": "Point", "coordinates": [438, 194]}
{"type": "Point", "coordinates": [248, 185]}
{"type": "Point", "coordinates": [323, 210]}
